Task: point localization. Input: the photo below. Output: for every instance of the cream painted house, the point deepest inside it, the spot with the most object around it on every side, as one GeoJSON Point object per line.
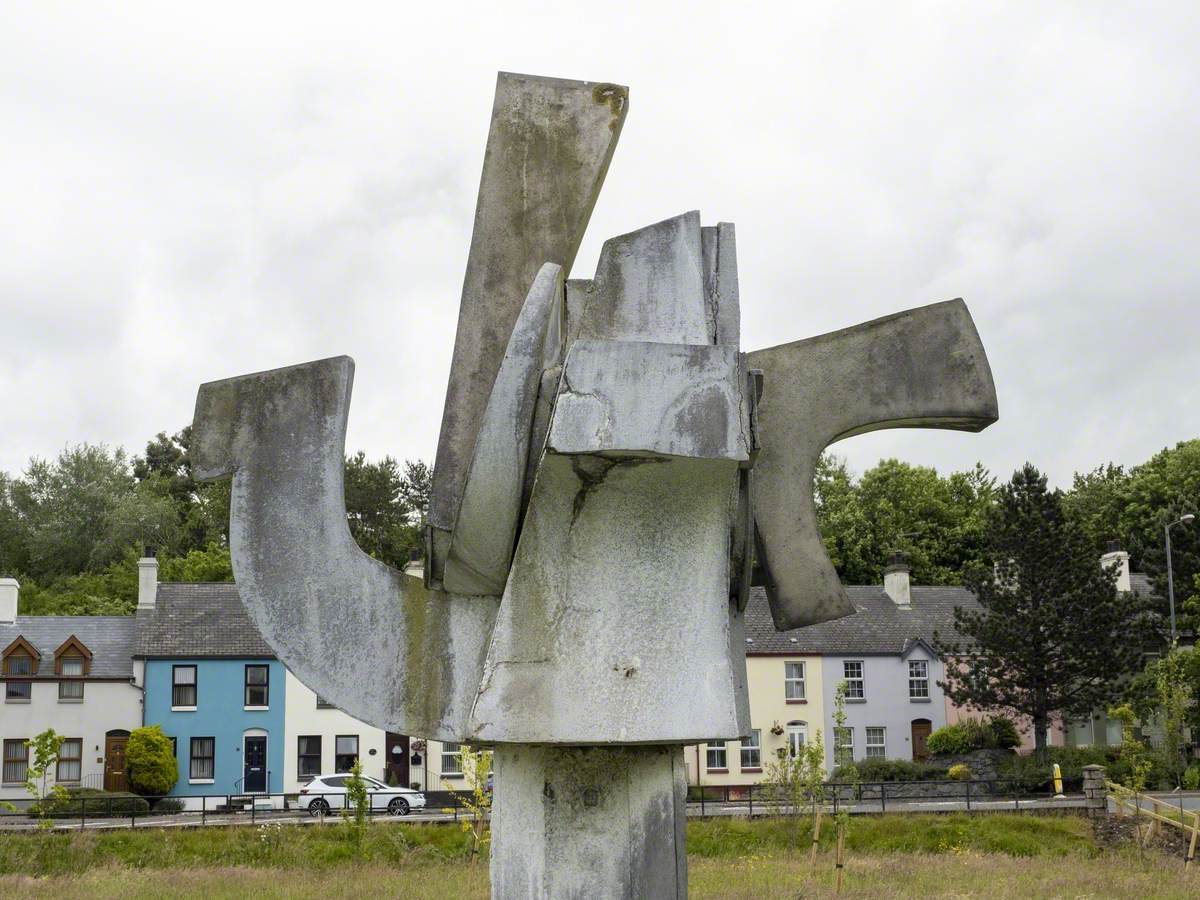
{"type": "Point", "coordinates": [318, 736]}
{"type": "Point", "coordinates": [73, 674]}
{"type": "Point", "coordinates": [786, 710]}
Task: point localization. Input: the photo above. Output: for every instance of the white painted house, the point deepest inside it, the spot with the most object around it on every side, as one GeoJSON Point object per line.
{"type": "Point", "coordinates": [73, 674]}
{"type": "Point", "coordinates": [319, 738]}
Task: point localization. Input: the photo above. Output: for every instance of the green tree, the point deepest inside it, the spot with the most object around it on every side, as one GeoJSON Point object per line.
{"type": "Point", "coordinates": [45, 748]}
{"type": "Point", "coordinates": [1052, 636]}
{"type": "Point", "coordinates": [938, 521]}
{"type": "Point", "coordinates": [379, 517]}
{"type": "Point", "coordinates": [150, 762]}
{"type": "Point", "coordinates": [476, 766]}
{"type": "Point", "coordinates": [213, 563]}
{"type": "Point", "coordinates": [1167, 694]}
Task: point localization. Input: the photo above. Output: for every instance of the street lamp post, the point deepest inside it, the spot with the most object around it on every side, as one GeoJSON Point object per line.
{"type": "Point", "coordinates": [1182, 520]}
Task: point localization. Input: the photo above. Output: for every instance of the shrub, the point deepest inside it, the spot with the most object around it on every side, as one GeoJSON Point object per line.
{"type": "Point", "coordinates": [93, 804]}
{"type": "Point", "coordinates": [150, 762]}
{"type": "Point", "coordinates": [967, 735]}
{"type": "Point", "coordinates": [169, 806]}
{"type": "Point", "coordinates": [960, 772]}
{"type": "Point", "coordinates": [891, 770]}
{"type": "Point", "coordinates": [1191, 777]}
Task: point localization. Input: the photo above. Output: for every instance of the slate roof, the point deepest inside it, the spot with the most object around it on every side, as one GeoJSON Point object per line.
{"type": "Point", "coordinates": [206, 620]}
{"type": "Point", "coordinates": [878, 625]}
{"type": "Point", "coordinates": [109, 638]}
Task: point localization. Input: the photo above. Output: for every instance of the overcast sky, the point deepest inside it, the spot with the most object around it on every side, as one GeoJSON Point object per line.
{"type": "Point", "coordinates": [193, 196]}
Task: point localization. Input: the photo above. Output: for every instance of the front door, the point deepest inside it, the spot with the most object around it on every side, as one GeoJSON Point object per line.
{"type": "Point", "coordinates": [397, 759]}
{"type": "Point", "coordinates": [115, 777]}
{"type": "Point", "coordinates": [921, 729]}
{"type": "Point", "coordinates": [255, 758]}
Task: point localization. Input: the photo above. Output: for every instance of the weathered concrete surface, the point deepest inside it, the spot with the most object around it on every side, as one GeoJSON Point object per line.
{"type": "Point", "coordinates": [923, 368]}
{"type": "Point", "coordinates": [485, 530]}
{"type": "Point", "coordinates": [548, 151]}
{"type": "Point", "coordinates": [601, 823]}
{"type": "Point", "coordinates": [615, 623]}
{"type": "Point", "coordinates": [722, 302]}
{"type": "Point", "coordinates": [365, 637]}
{"type": "Point", "coordinates": [649, 286]}
{"type": "Point", "coordinates": [651, 398]}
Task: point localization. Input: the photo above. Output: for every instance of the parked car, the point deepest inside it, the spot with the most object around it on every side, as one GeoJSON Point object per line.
{"type": "Point", "coordinates": [326, 792]}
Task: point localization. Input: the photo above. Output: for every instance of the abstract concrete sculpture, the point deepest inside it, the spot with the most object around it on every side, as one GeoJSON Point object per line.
{"type": "Point", "coordinates": [612, 474]}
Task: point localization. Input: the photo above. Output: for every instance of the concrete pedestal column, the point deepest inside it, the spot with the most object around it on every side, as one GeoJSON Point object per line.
{"type": "Point", "coordinates": [589, 822]}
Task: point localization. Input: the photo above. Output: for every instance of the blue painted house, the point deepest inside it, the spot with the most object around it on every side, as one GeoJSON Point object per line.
{"type": "Point", "coordinates": [214, 686]}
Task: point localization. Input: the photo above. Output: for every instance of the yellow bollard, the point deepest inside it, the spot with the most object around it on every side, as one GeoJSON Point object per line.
{"type": "Point", "coordinates": [1058, 792]}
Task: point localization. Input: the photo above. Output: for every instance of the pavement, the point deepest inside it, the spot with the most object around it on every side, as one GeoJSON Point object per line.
{"type": "Point", "coordinates": [10, 822]}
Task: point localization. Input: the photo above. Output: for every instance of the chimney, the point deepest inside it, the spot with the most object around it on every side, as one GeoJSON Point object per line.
{"type": "Point", "coordinates": [896, 581]}
{"type": "Point", "coordinates": [1116, 555]}
{"type": "Point", "coordinates": [10, 590]}
{"type": "Point", "coordinates": [147, 580]}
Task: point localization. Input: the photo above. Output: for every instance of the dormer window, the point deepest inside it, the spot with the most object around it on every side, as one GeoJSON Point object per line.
{"type": "Point", "coordinates": [20, 661]}
{"type": "Point", "coordinates": [72, 661]}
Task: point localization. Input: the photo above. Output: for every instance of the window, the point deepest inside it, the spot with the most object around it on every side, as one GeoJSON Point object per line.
{"type": "Point", "coordinates": [18, 690]}
{"type": "Point", "coordinates": [71, 667]}
{"type": "Point", "coordinates": [257, 684]}
{"type": "Point", "coordinates": [18, 664]}
{"type": "Point", "coordinates": [345, 752]}
{"type": "Point", "coordinates": [876, 743]}
{"type": "Point", "coordinates": [70, 760]}
{"type": "Point", "coordinates": [852, 671]}
{"type": "Point", "coordinates": [918, 679]}
{"type": "Point", "coordinates": [716, 755]}
{"type": "Point", "coordinates": [793, 681]}
{"type": "Point", "coordinates": [16, 761]}
{"type": "Point", "coordinates": [797, 737]}
{"type": "Point", "coordinates": [451, 761]}
{"type": "Point", "coordinates": [203, 756]}
{"type": "Point", "coordinates": [308, 756]}
{"type": "Point", "coordinates": [752, 750]}
{"type": "Point", "coordinates": [322, 703]}
{"type": "Point", "coordinates": [335, 781]}
{"type": "Point", "coordinates": [843, 746]}
{"type": "Point", "coordinates": [183, 689]}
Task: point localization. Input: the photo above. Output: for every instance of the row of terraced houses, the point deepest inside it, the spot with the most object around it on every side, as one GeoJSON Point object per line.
{"type": "Point", "coordinates": [241, 724]}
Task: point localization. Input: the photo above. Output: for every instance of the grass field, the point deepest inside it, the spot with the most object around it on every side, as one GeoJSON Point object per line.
{"type": "Point", "coordinates": [894, 856]}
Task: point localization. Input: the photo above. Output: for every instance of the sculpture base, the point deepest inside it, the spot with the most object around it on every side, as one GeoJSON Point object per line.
{"type": "Point", "coordinates": [595, 822]}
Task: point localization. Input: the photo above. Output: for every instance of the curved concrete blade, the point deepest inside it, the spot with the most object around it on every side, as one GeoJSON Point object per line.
{"type": "Point", "coordinates": [485, 532]}
{"type": "Point", "coordinates": [923, 368]}
{"type": "Point", "coordinates": [368, 639]}
{"type": "Point", "coordinates": [548, 151]}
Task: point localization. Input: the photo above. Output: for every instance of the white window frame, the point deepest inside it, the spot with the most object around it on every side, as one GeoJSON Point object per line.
{"type": "Point", "coordinates": [752, 744]}
{"type": "Point", "coordinates": [716, 757]}
{"type": "Point", "coordinates": [875, 749]}
{"type": "Point", "coordinates": [918, 681]}
{"type": "Point", "coordinates": [856, 685]}
{"type": "Point", "coordinates": [451, 760]}
{"type": "Point", "coordinates": [797, 737]}
{"type": "Point", "coordinates": [843, 745]}
{"type": "Point", "coordinates": [794, 687]}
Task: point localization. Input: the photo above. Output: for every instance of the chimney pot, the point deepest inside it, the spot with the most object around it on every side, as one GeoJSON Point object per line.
{"type": "Point", "coordinates": [1116, 555]}
{"type": "Point", "coordinates": [10, 592]}
{"type": "Point", "coordinates": [147, 581]}
{"type": "Point", "coordinates": [896, 579]}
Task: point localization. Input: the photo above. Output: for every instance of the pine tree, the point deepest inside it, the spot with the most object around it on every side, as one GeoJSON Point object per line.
{"type": "Point", "coordinates": [1054, 637]}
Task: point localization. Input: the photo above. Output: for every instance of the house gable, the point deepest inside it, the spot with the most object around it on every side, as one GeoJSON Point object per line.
{"type": "Point", "coordinates": [72, 646]}
{"type": "Point", "coordinates": [21, 647]}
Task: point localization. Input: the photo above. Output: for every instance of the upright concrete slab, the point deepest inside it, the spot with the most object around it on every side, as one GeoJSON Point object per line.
{"type": "Point", "coordinates": [547, 153]}
{"type": "Point", "coordinates": [923, 368]}
{"type": "Point", "coordinates": [485, 530]}
{"type": "Point", "coordinates": [364, 636]}
{"type": "Point", "coordinates": [602, 823]}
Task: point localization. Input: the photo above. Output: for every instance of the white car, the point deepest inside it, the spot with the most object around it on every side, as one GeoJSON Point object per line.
{"type": "Point", "coordinates": [327, 792]}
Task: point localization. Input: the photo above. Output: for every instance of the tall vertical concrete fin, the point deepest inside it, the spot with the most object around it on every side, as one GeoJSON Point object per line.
{"type": "Point", "coordinates": [485, 531]}
{"type": "Point", "coordinates": [548, 151]}
{"type": "Point", "coordinates": [649, 286]}
{"type": "Point", "coordinates": [923, 368]}
{"type": "Point", "coordinates": [364, 636]}
{"type": "Point", "coordinates": [722, 305]}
